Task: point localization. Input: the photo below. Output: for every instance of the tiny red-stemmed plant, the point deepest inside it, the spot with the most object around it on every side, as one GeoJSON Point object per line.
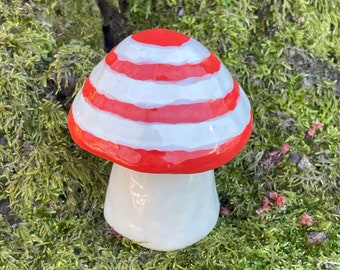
{"type": "Point", "coordinates": [275, 157]}
{"type": "Point", "coordinates": [273, 199]}
{"type": "Point", "coordinates": [311, 133]}
{"type": "Point", "coordinates": [306, 220]}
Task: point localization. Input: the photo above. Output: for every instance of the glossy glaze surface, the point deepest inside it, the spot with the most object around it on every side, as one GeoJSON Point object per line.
{"type": "Point", "coordinates": [160, 102]}
{"type": "Point", "coordinates": [161, 211]}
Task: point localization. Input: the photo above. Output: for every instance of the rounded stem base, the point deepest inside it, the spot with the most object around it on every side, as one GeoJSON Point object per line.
{"type": "Point", "coordinates": [161, 211]}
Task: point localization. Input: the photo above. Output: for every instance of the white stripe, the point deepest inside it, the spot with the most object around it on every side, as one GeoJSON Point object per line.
{"type": "Point", "coordinates": [191, 52]}
{"type": "Point", "coordinates": [158, 136]}
{"type": "Point", "coordinates": [152, 94]}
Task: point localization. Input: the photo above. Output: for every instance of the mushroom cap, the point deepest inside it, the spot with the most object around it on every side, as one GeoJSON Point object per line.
{"type": "Point", "coordinates": [160, 102]}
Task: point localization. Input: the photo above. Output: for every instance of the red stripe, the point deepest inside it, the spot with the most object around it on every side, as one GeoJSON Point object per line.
{"type": "Point", "coordinates": [161, 37]}
{"type": "Point", "coordinates": [163, 72]}
{"type": "Point", "coordinates": [169, 114]}
{"type": "Point", "coordinates": [154, 161]}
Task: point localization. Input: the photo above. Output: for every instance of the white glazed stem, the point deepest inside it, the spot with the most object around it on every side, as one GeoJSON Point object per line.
{"type": "Point", "coordinates": [161, 211]}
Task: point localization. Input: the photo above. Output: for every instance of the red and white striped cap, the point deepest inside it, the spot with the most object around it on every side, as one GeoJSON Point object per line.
{"type": "Point", "coordinates": [160, 102]}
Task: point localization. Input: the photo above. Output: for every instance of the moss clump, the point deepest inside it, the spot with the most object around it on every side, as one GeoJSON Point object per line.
{"type": "Point", "coordinates": [52, 192]}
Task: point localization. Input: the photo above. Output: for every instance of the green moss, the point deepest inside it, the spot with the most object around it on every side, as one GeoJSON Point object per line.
{"type": "Point", "coordinates": [56, 190]}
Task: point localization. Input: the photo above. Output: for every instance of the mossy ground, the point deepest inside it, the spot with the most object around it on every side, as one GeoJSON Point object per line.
{"type": "Point", "coordinates": [285, 54]}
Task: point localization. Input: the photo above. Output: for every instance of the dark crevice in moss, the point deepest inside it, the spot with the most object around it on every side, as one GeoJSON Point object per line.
{"type": "Point", "coordinates": [7, 212]}
{"type": "Point", "coordinates": [114, 29]}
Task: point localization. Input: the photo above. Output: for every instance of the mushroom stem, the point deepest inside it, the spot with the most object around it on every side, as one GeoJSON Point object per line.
{"type": "Point", "coordinates": [161, 211]}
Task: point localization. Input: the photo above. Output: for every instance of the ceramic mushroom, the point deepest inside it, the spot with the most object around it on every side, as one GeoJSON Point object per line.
{"type": "Point", "coordinates": [166, 112]}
